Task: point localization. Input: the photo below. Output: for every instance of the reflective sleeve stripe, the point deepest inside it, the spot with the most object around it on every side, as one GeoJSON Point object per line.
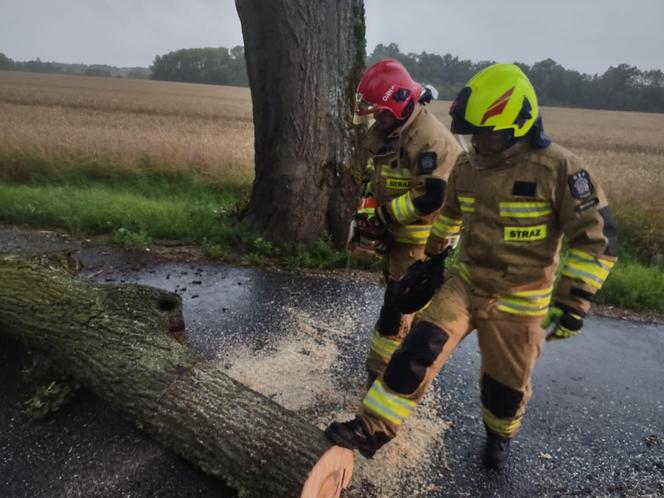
{"type": "Point", "coordinates": [504, 427]}
{"type": "Point", "coordinates": [390, 407]}
{"type": "Point", "coordinates": [586, 257]}
{"type": "Point", "coordinates": [445, 227]}
{"type": "Point", "coordinates": [525, 209]}
{"type": "Point", "coordinates": [528, 303]}
{"type": "Point", "coordinates": [383, 346]}
{"type": "Point", "coordinates": [403, 210]}
{"type": "Point", "coordinates": [589, 269]}
{"type": "Point", "coordinates": [395, 173]}
{"type": "Point", "coordinates": [412, 234]}
{"type": "Point", "coordinates": [368, 211]}
{"type": "Point", "coordinates": [467, 204]}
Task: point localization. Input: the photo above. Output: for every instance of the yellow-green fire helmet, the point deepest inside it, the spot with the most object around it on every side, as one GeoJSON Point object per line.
{"type": "Point", "coordinates": [499, 97]}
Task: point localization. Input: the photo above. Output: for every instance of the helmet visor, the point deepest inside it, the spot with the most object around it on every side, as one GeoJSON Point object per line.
{"type": "Point", "coordinates": [460, 125]}
{"type": "Point", "coordinates": [363, 106]}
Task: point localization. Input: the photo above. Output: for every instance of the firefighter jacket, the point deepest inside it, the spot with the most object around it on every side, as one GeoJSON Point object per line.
{"type": "Point", "coordinates": [408, 171]}
{"type": "Point", "coordinates": [511, 216]}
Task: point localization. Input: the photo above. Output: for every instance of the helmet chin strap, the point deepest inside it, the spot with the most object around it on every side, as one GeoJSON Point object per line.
{"type": "Point", "coordinates": [400, 123]}
{"type": "Point", "coordinates": [462, 143]}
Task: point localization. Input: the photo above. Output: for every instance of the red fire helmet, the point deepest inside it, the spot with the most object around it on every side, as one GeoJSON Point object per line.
{"type": "Point", "coordinates": [386, 86]}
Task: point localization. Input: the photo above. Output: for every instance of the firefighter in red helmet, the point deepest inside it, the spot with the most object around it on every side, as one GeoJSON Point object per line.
{"type": "Point", "coordinates": [411, 155]}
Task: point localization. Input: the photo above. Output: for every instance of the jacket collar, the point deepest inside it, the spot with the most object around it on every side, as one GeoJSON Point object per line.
{"type": "Point", "coordinates": [505, 159]}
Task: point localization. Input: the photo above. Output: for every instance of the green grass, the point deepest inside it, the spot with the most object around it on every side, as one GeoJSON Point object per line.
{"type": "Point", "coordinates": [138, 207]}
{"type": "Point", "coordinates": [635, 285]}
{"type": "Point", "coordinates": [192, 214]}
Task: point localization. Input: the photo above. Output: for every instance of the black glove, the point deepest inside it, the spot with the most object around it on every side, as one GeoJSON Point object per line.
{"type": "Point", "coordinates": [420, 282]}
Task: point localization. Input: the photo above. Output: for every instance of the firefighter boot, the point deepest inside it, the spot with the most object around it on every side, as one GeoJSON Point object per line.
{"type": "Point", "coordinates": [496, 451]}
{"type": "Point", "coordinates": [355, 435]}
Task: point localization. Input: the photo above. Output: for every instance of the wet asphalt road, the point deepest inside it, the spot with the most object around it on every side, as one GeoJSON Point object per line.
{"type": "Point", "coordinates": [595, 425]}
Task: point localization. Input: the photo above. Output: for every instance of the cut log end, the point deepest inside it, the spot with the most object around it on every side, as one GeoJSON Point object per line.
{"type": "Point", "coordinates": [330, 475]}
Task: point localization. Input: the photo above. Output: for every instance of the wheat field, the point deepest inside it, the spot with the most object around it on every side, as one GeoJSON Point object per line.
{"type": "Point", "coordinates": [209, 129]}
{"type": "Point", "coordinates": [125, 123]}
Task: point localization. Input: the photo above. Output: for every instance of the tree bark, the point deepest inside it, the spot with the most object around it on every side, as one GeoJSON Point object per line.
{"type": "Point", "coordinates": [304, 61]}
{"type": "Point", "coordinates": [125, 344]}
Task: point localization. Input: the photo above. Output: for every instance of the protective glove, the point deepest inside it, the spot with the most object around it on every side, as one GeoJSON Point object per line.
{"type": "Point", "coordinates": [417, 286]}
{"type": "Point", "coordinates": [562, 322]}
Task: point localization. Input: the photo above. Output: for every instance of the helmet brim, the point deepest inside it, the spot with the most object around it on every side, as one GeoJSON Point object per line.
{"type": "Point", "coordinates": [463, 127]}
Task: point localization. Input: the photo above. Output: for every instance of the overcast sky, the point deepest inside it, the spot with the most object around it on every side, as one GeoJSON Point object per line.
{"type": "Point", "coordinates": [587, 35]}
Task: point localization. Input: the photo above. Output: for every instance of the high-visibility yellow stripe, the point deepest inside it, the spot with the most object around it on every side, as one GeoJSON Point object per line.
{"type": "Point", "coordinates": [383, 346]}
{"type": "Point", "coordinates": [412, 234]}
{"type": "Point", "coordinates": [586, 257]}
{"type": "Point", "coordinates": [529, 303]}
{"type": "Point", "coordinates": [403, 210]}
{"type": "Point", "coordinates": [504, 427]}
{"type": "Point", "coordinates": [390, 407]}
{"type": "Point", "coordinates": [521, 308]}
{"type": "Point", "coordinates": [395, 173]}
{"type": "Point", "coordinates": [533, 293]}
{"type": "Point", "coordinates": [525, 209]}
{"type": "Point", "coordinates": [584, 266]}
{"type": "Point", "coordinates": [445, 227]}
{"type": "Point", "coordinates": [467, 204]}
{"type": "Point", "coordinates": [584, 276]}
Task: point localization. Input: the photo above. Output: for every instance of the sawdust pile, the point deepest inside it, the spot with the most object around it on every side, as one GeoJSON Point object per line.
{"type": "Point", "coordinates": [302, 372]}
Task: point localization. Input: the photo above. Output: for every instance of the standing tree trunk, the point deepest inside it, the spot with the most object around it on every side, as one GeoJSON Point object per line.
{"type": "Point", "coordinates": [304, 60]}
{"type": "Point", "coordinates": [124, 344]}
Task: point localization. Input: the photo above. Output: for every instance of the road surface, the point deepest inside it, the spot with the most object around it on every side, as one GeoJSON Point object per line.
{"type": "Point", "coordinates": [594, 427]}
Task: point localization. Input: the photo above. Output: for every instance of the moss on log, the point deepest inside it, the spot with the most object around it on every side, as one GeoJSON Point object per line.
{"type": "Point", "coordinates": [125, 344]}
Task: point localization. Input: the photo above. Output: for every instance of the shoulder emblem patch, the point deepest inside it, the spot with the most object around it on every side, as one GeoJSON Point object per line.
{"type": "Point", "coordinates": [427, 163]}
{"type": "Point", "coordinates": [580, 185]}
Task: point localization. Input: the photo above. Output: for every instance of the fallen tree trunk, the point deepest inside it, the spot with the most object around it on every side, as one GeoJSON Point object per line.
{"type": "Point", "coordinates": [125, 344]}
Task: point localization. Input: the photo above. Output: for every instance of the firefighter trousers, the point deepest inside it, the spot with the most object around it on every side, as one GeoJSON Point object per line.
{"type": "Point", "coordinates": [392, 326]}
{"type": "Point", "coordinates": [509, 345]}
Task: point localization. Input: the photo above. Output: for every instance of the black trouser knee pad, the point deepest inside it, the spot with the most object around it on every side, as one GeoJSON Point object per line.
{"type": "Point", "coordinates": [499, 399]}
{"type": "Point", "coordinates": [409, 363]}
{"type": "Point", "coordinates": [389, 320]}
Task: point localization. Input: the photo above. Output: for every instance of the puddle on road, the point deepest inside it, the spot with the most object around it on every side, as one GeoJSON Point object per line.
{"type": "Point", "coordinates": [300, 371]}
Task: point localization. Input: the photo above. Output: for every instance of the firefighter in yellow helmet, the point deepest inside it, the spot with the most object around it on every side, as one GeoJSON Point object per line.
{"type": "Point", "coordinates": [511, 198]}
{"type": "Point", "coordinates": [411, 156]}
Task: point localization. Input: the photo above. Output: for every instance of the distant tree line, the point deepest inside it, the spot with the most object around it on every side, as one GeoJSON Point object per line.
{"type": "Point", "coordinates": [623, 87]}
{"type": "Point", "coordinates": [219, 66]}
{"type": "Point", "coordinates": [38, 66]}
